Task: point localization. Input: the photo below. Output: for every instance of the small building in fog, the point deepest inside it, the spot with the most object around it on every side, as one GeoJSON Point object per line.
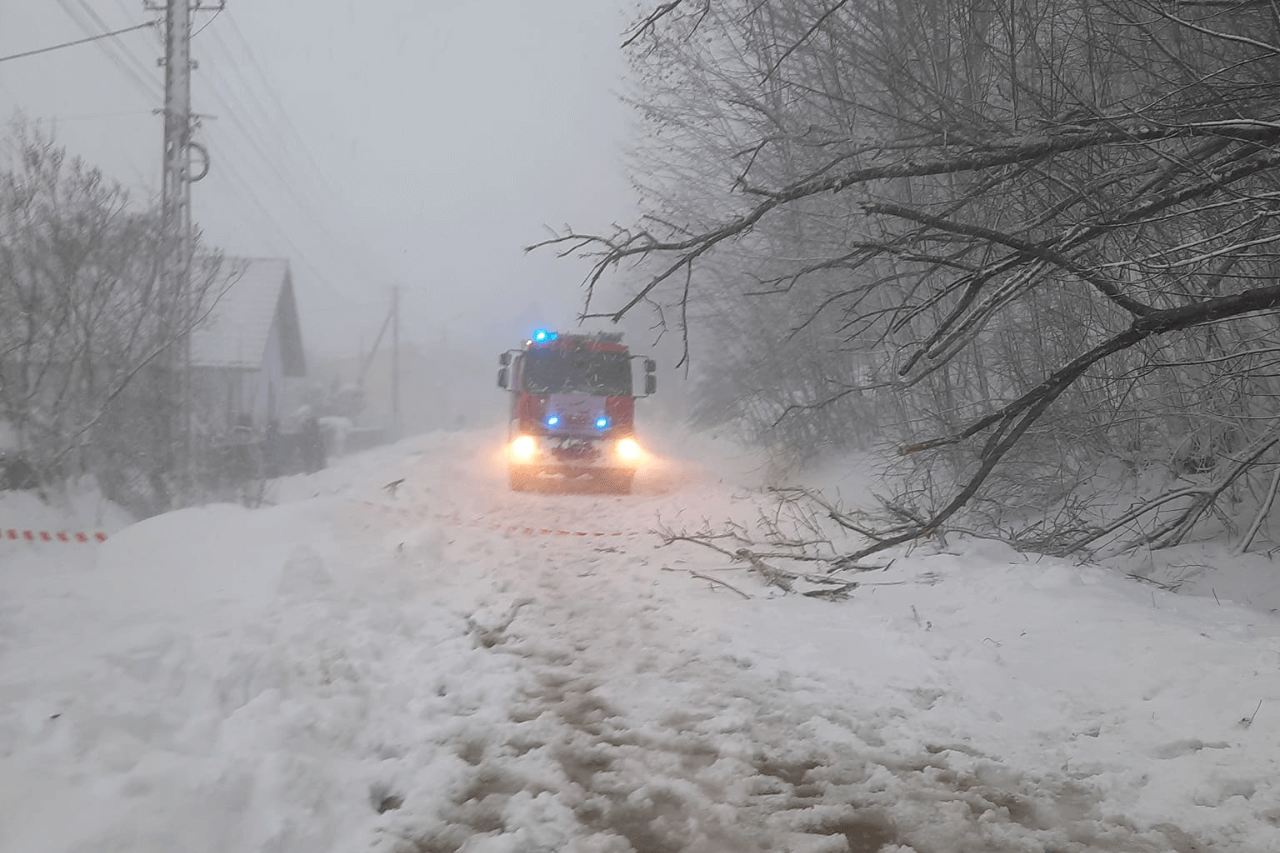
{"type": "Point", "coordinates": [247, 361]}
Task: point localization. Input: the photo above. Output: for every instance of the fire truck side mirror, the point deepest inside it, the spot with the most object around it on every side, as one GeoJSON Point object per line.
{"type": "Point", "coordinates": [504, 359]}
{"type": "Point", "coordinates": [650, 365]}
{"type": "Point", "coordinates": [650, 383]}
{"type": "Point", "coordinates": [502, 377]}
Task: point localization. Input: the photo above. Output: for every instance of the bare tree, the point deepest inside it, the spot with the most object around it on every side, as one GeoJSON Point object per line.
{"type": "Point", "coordinates": [1023, 236]}
{"type": "Point", "coordinates": [89, 325]}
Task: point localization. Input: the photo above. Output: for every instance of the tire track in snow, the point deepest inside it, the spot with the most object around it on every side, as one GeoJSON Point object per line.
{"type": "Point", "coordinates": [632, 733]}
{"type": "Point", "coordinates": [727, 766]}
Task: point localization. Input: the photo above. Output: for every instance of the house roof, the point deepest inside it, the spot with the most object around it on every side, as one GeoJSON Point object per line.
{"type": "Point", "coordinates": [253, 292]}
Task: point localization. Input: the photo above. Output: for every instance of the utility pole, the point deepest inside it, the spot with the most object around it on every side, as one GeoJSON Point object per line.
{"type": "Point", "coordinates": [175, 209]}
{"type": "Point", "coordinates": [176, 192]}
{"type": "Point", "coordinates": [395, 362]}
{"type": "Point", "coordinates": [392, 322]}
{"type": "Point", "coordinates": [178, 119]}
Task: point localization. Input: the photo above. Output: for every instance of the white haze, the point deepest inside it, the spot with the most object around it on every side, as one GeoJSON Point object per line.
{"type": "Point", "coordinates": [410, 144]}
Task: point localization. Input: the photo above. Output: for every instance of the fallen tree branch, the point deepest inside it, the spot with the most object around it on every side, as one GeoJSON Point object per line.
{"type": "Point", "coordinates": [1264, 510]}
{"type": "Point", "coordinates": [709, 579]}
{"type": "Point", "coordinates": [773, 576]}
{"type": "Point", "coordinates": [1202, 499]}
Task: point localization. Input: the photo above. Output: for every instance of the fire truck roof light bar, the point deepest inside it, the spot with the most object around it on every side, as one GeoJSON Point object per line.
{"type": "Point", "coordinates": [546, 336]}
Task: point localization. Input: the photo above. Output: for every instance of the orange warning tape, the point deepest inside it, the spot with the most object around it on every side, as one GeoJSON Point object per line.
{"type": "Point", "coordinates": [491, 525]}
{"type": "Point", "coordinates": [45, 536]}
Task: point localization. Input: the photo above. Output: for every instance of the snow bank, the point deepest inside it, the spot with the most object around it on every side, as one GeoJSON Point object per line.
{"type": "Point", "coordinates": [402, 655]}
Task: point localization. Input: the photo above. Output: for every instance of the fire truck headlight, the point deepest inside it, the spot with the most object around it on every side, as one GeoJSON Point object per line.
{"type": "Point", "coordinates": [628, 450]}
{"type": "Point", "coordinates": [523, 448]}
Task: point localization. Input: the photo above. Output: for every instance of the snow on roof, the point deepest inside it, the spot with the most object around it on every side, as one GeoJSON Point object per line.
{"type": "Point", "coordinates": [238, 327]}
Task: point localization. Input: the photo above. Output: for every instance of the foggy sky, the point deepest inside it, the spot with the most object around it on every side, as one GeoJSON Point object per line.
{"type": "Point", "coordinates": [419, 143]}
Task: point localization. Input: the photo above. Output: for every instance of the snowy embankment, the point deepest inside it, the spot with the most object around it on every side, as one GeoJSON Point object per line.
{"type": "Point", "coordinates": [449, 666]}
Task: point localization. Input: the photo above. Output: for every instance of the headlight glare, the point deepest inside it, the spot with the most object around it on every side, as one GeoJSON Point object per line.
{"type": "Point", "coordinates": [628, 450]}
{"type": "Point", "coordinates": [523, 448]}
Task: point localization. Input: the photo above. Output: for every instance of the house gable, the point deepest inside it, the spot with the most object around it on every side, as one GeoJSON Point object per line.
{"type": "Point", "coordinates": [254, 294]}
{"type": "Point", "coordinates": [290, 330]}
{"type": "Point", "coordinates": [248, 346]}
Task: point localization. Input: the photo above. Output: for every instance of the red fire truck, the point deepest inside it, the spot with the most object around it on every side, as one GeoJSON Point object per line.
{"type": "Point", "coordinates": [573, 409]}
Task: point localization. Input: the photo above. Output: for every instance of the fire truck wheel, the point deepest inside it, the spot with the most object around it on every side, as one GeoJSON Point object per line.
{"type": "Point", "coordinates": [521, 481]}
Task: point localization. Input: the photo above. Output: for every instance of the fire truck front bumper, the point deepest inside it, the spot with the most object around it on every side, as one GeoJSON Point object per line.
{"type": "Point", "coordinates": [542, 454]}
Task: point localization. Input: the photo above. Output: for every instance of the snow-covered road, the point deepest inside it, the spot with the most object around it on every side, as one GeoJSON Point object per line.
{"type": "Point", "coordinates": [449, 666]}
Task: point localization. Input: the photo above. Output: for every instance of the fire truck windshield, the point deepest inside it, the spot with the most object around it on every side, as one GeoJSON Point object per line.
{"type": "Point", "coordinates": [577, 371]}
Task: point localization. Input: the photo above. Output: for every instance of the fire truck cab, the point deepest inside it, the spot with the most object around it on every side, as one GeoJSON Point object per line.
{"type": "Point", "coordinates": [573, 409]}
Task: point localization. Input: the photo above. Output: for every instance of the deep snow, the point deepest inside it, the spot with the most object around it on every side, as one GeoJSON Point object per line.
{"type": "Point", "coordinates": [450, 666]}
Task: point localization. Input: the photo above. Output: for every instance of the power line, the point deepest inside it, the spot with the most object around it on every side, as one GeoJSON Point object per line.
{"type": "Point", "coordinates": [129, 65]}
{"type": "Point", "coordinates": [77, 41]}
{"type": "Point", "coordinates": [299, 142]}
{"type": "Point", "coordinates": [127, 62]}
{"type": "Point", "coordinates": [255, 162]}
{"type": "Point", "coordinates": [275, 96]}
{"type": "Point", "coordinates": [242, 101]}
{"type": "Point", "coordinates": [216, 13]}
{"type": "Point", "coordinates": [98, 116]}
{"type": "Point", "coordinates": [271, 167]}
{"type": "Point", "coordinates": [244, 187]}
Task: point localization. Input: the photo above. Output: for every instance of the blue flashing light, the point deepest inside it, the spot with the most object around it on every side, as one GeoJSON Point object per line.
{"type": "Point", "coordinates": [542, 336]}
{"type": "Point", "coordinates": [602, 422]}
{"type": "Point", "coordinates": [553, 421]}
